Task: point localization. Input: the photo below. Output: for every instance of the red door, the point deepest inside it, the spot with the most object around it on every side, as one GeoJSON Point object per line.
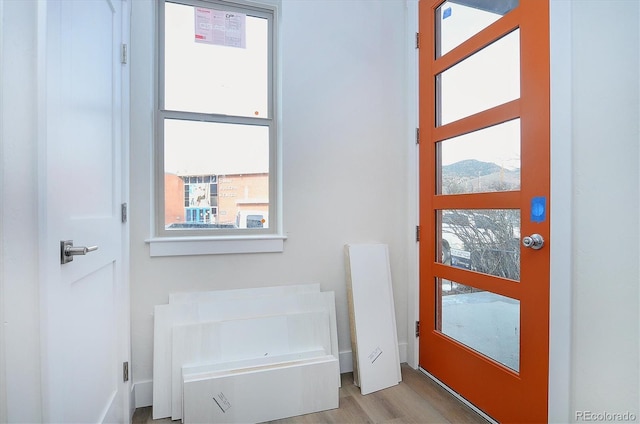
{"type": "Point", "coordinates": [484, 202]}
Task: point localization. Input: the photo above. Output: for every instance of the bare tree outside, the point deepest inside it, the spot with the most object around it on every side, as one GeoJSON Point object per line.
{"type": "Point", "coordinates": [491, 238]}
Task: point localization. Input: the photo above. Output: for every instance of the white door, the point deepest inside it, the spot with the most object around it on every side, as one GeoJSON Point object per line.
{"type": "Point", "coordinates": [84, 303]}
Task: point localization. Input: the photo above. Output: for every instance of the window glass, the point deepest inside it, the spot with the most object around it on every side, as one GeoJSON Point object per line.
{"type": "Point", "coordinates": [486, 160]}
{"type": "Point", "coordinates": [485, 79]}
{"type": "Point", "coordinates": [456, 21]}
{"type": "Point", "coordinates": [235, 156]}
{"type": "Point", "coordinates": [215, 78]}
{"type": "Point", "coordinates": [486, 241]}
{"type": "Point", "coordinates": [484, 321]}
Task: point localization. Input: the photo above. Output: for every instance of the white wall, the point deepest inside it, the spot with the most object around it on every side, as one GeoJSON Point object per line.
{"type": "Point", "coordinates": [605, 231]}
{"type": "Point", "coordinates": [345, 144]}
{"type": "Point", "coordinates": [595, 202]}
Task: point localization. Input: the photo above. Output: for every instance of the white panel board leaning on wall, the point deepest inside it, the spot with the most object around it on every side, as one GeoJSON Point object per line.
{"type": "Point", "coordinates": [245, 343]}
{"type": "Point", "coordinates": [286, 389]}
{"type": "Point", "coordinates": [194, 307]}
{"type": "Point", "coordinates": [374, 340]}
{"type": "Point", "coordinates": [213, 341]}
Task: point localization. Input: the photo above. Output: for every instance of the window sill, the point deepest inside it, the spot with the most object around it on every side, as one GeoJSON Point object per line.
{"type": "Point", "coordinates": [188, 246]}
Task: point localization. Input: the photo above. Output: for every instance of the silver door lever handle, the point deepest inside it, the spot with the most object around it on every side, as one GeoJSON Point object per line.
{"type": "Point", "coordinates": [79, 250]}
{"type": "Point", "coordinates": [68, 251]}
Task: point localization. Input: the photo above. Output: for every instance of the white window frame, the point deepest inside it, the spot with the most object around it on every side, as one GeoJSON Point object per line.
{"type": "Point", "coordinates": [178, 242]}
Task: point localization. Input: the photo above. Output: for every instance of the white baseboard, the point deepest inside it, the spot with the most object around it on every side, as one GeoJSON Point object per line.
{"type": "Point", "coordinates": [143, 393]}
{"type": "Point", "coordinates": [143, 390]}
{"type": "Point", "coordinates": [402, 348]}
{"type": "Point", "coordinates": [346, 361]}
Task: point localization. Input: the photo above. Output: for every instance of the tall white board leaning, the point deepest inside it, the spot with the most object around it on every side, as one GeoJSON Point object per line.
{"type": "Point", "coordinates": [374, 339]}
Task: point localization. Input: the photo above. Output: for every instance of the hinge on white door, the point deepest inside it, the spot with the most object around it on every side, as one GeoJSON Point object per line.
{"type": "Point", "coordinates": [417, 328]}
{"type": "Point", "coordinates": [123, 212]}
{"type": "Point", "coordinates": [417, 233]}
{"type": "Point", "coordinates": [125, 371]}
{"type": "Point", "coordinates": [417, 40]}
{"type": "Point", "coordinates": [123, 56]}
{"type": "Point", "coordinates": [417, 135]}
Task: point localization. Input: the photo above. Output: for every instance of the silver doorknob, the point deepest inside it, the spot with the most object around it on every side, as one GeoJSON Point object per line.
{"type": "Point", "coordinates": [534, 241]}
{"type": "Point", "coordinates": [68, 251]}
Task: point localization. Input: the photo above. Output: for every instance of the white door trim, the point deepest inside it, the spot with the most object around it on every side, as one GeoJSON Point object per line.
{"type": "Point", "coordinates": [3, 384]}
{"type": "Point", "coordinates": [20, 367]}
{"type": "Point", "coordinates": [129, 400]}
{"type": "Point", "coordinates": [413, 279]}
{"type": "Point", "coordinates": [561, 212]}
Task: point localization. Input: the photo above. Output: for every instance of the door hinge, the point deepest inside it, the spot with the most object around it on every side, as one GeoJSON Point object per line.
{"type": "Point", "coordinates": [123, 212]}
{"type": "Point", "coordinates": [125, 371]}
{"type": "Point", "coordinates": [417, 328]}
{"type": "Point", "coordinates": [417, 135]}
{"type": "Point", "coordinates": [417, 40]}
{"type": "Point", "coordinates": [123, 56]}
{"type": "Point", "coordinates": [417, 233]}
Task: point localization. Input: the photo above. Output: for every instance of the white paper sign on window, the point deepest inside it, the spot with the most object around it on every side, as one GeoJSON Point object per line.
{"type": "Point", "coordinates": [199, 195]}
{"type": "Point", "coordinates": [220, 27]}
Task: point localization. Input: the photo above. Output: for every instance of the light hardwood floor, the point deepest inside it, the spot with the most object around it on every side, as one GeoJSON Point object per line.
{"type": "Point", "coordinates": [417, 400]}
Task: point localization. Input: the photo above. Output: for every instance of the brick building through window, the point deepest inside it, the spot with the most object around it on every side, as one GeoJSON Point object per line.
{"type": "Point", "coordinates": [214, 201]}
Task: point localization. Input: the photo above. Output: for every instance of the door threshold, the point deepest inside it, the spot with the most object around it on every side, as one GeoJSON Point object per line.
{"type": "Point", "coordinates": [457, 396]}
